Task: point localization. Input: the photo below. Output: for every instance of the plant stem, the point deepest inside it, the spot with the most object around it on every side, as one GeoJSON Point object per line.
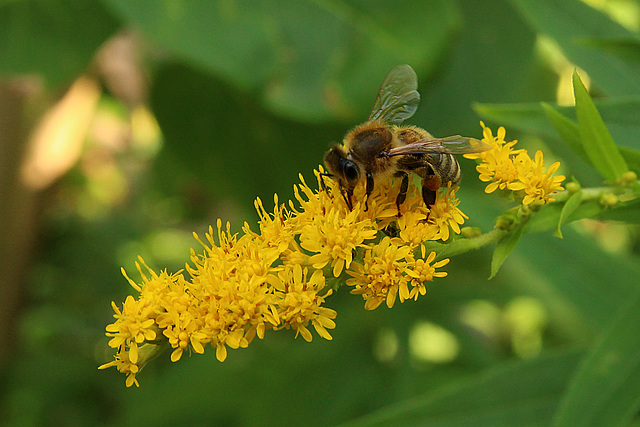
{"type": "Point", "coordinates": [594, 193]}
{"type": "Point", "coordinates": [462, 245]}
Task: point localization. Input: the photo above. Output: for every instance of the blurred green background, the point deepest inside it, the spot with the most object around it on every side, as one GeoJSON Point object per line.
{"type": "Point", "coordinates": [125, 125]}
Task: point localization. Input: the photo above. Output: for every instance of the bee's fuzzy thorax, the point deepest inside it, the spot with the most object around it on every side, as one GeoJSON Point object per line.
{"type": "Point", "coordinates": [350, 136]}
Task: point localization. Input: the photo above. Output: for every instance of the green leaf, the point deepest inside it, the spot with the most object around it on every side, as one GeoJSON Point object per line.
{"type": "Point", "coordinates": [504, 248]}
{"type": "Point", "coordinates": [549, 217]}
{"type": "Point", "coordinates": [522, 393]}
{"type": "Point", "coordinates": [608, 377]}
{"type": "Point", "coordinates": [624, 211]}
{"type": "Point", "coordinates": [567, 129]}
{"type": "Point", "coordinates": [575, 276]}
{"type": "Point", "coordinates": [622, 116]}
{"type": "Point", "coordinates": [308, 60]}
{"type": "Point", "coordinates": [569, 23]}
{"type": "Point", "coordinates": [625, 48]}
{"type": "Point", "coordinates": [596, 139]}
{"type": "Point", "coordinates": [56, 39]}
{"type": "Point", "coordinates": [632, 157]}
{"type": "Point", "coordinates": [572, 203]}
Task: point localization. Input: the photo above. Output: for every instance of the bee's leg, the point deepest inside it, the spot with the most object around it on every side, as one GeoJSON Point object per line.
{"type": "Point", "coordinates": [430, 185]}
{"type": "Point", "coordinates": [369, 189]}
{"type": "Point", "coordinates": [391, 230]}
{"type": "Point", "coordinates": [404, 186]}
{"type": "Point", "coordinates": [348, 199]}
{"type": "Point", "coordinates": [322, 183]}
{"type": "Point", "coordinates": [346, 194]}
{"type": "Point", "coordinates": [429, 196]}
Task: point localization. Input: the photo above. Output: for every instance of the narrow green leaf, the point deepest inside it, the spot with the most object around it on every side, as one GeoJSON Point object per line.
{"type": "Point", "coordinates": [572, 203]}
{"type": "Point", "coordinates": [567, 129]}
{"type": "Point", "coordinates": [518, 394]}
{"type": "Point", "coordinates": [596, 139]}
{"type": "Point", "coordinates": [632, 157]}
{"type": "Point", "coordinates": [622, 116]}
{"type": "Point", "coordinates": [608, 377]}
{"type": "Point", "coordinates": [504, 248]}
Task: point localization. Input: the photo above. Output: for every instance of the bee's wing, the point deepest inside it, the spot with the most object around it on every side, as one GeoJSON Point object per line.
{"type": "Point", "coordinates": [450, 145]}
{"type": "Point", "coordinates": [398, 97]}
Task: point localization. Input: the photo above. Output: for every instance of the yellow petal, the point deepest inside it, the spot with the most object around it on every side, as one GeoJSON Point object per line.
{"type": "Point", "coordinates": [492, 187]}
{"type": "Point", "coordinates": [221, 352]}
{"type": "Point", "coordinates": [133, 353]}
{"type": "Point", "coordinates": [176, 355]}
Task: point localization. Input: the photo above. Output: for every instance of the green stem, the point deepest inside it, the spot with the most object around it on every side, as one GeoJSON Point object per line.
{"type": "Point", "coordinates": [594, 193]}
{"type": "Point", "coordinates": [462, 245]}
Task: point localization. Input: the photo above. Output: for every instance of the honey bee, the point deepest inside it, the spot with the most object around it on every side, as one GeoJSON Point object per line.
{"type": "Point", "coordinates": [381, 148]}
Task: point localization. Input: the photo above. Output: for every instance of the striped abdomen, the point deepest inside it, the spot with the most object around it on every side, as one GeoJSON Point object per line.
{"type": "Point", "coordinates": [446, 167]}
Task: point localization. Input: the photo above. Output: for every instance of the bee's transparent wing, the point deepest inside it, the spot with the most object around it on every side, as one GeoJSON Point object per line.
{"type": "Point", "coordinates": [450, 145]}
{"type": "Point", "coordinates": [398, 97]}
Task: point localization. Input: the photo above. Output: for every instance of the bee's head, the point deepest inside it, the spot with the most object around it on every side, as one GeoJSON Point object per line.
{"type": "Point", "coordinates": [342, 167]}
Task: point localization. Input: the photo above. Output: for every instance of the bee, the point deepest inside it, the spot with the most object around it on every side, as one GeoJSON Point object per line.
{"type": "Point", "coordinates": [380, 148]}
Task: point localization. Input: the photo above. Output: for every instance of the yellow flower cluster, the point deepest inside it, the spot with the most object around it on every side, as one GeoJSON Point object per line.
{"type": "Point", "coordinates": [506, 168]}
{"type": "Point", "coordinates": [246, 283]}
{"type": "Point", "coordinates": [388, 269]}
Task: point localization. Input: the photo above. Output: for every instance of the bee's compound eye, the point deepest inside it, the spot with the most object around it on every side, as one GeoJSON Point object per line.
{"type": "Point", "coordinates": [350, 170]}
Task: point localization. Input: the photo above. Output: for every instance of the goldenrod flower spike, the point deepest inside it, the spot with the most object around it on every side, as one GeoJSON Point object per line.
{"type": "Point", "coordinates": [243, 284]}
